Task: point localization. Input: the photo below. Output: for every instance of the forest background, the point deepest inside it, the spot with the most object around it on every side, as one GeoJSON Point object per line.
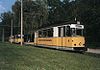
{"type": "Point", "coordinates": [43, 13]}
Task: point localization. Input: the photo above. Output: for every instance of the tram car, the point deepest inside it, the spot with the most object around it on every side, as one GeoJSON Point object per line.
{"type": "Point", "coordinates": [68, 35]}
{"type": "Point", "coordinates": [29, 38]}
{"type": "Point", "coordinates": [17, 39]}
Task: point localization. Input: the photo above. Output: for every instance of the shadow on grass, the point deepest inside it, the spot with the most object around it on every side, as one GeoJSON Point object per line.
{"type": "Point", "coordinates": [70, 51]}
{"type": "Point", "coordinates": [92, 54]}
{"type": "Point", "coordinates": [63, 50]}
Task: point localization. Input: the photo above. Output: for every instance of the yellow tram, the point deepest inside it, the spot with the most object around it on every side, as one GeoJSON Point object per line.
{"type": "Point", "coordinates": [17, 39]}
{"type": "Point", "coordinates": [67, 35]}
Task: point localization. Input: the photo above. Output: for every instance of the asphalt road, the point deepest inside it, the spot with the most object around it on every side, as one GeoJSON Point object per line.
{"type": "Point", "coordinates": [97, 51]}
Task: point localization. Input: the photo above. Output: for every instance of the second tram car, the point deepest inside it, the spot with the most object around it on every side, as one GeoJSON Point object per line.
{"type": "Point", "coordinates": [17, 39]}
{"type": "Point", "coordinates": [67, 35]}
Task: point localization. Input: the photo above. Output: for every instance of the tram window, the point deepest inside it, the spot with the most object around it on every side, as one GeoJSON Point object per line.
{"type": "Point", "coordinates": [59, 33]}
{"type": "Point", "coordinates": [67, 31]}
{"type": "Point", "coordinates": [50, 32]}
{"type": "Point", "coordinates": [18, 36]}
{"type": "Point", "coordinates": [45, 33]}
{"type": "Point", "coordinates": [40, 34]}
{"type": "Point", "coordinates": [73, 31]}
{"type": "Point", "coordinates": [64, 31]}
{"type": "Point", "coordinates": [79, 32]}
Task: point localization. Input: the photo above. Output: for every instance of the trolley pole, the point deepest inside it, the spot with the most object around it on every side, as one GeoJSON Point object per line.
{"type": "Point", "coordinates": [21, 22]}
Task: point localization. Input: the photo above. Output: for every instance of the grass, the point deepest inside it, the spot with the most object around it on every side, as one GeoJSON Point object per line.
{"type": "Point", "coordinates": [15, 57]}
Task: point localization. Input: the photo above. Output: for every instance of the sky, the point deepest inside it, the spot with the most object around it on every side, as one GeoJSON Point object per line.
{"type": "Point", "coordinates": [6, 5]}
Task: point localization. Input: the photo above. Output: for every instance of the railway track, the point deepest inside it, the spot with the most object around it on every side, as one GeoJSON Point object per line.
{"type": "Point", "coordinates": [96, 51]}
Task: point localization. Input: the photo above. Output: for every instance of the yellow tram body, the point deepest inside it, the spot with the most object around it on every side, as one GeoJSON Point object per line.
{"type": "Point", "coordinates": [67, 35]}
{"type": "Point", "coordinates": [63, 36]}
{"type": "Point", "coordinates": [62, 41]}
{"type": "Point", "coordinates": [17, 39]}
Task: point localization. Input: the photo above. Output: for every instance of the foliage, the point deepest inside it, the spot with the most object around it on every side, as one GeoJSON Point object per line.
{"type": "Point", "coordinates": [41, 13]}
{"type": "Point", "coordinates": [35, 13]}
{"type": "Point", "coordinates": [6, 23]}
{"type": "Point", "coordinates": [87, 12]}
{"type": "Point", "coordinates": [6, 18]}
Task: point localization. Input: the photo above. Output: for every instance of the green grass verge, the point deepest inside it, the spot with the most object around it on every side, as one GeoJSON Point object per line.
{"type": "Point", "coordinates": [14, 57]}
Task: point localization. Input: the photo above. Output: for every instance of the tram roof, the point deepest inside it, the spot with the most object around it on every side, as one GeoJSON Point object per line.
{"type": "Point", "coordinates": [60, 23]}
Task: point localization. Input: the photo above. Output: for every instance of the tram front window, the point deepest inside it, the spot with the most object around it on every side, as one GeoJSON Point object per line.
{"type": "Point", "coordinates": [76, 32]}
{"type": "Point", "coordinates": [73, 31]}
{"type": "Point", "coordinates": [79, 32]}
{"type": "Point", "coordinates": [18, 36]}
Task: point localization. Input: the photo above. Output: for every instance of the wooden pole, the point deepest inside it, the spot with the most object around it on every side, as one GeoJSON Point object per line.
{"type": "Point", "coordinates": [3, 36]}
{"type": "Point", "coordinates": [21, 22]}
{"type": "Point", "coordinates": [11, 27]}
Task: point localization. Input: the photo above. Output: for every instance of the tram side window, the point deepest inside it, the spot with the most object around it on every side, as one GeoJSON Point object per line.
{"type": "Point", "coordinates": [64, 31]}
{"type": "Point", "coordinates": [45, 34]}
{"type": "Point", "coordinates": [50, 32]}
{"type": "Point", "coordinates": [40, 34]}
{"type": "Point", "coordinates": [73, 32]}
{"type": "Point", "coordinates": [59, 33]}
{"type": "Point", "coordinates": [68, 31]}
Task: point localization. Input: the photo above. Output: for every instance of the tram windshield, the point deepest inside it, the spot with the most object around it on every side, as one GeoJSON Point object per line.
{"type": "Point", "coordinates": [19, 36]}
{"type": "Point", "coordinates": [73, 31]}
{"type": "Point", "coordinates": [79, 32]}
{"type": "Point", "coordinates": [76, 32]}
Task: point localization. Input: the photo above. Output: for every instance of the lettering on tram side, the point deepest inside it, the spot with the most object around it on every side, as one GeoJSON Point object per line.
{"type": "Point", "coordinates": [45, 40]}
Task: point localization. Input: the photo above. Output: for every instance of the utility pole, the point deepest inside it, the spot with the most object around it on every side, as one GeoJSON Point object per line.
{"type": "Point", "coordinates": [11, 35]}
{"type": "Point", "coordinates": [11, 27]}
{"type": "Point", "coordinates": [3, 35]}
{"type": "Point", "coordinates": [21, 22]}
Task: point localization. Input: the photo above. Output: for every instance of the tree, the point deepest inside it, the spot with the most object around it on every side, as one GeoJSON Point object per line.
{"type": "Point", "coordinates": [35, 13]}
{"type": "Point", "coordinates": [6, 23]}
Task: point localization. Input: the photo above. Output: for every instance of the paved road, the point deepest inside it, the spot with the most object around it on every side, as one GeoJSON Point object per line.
{"type": "Point", "coordinates": [97, 51]}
